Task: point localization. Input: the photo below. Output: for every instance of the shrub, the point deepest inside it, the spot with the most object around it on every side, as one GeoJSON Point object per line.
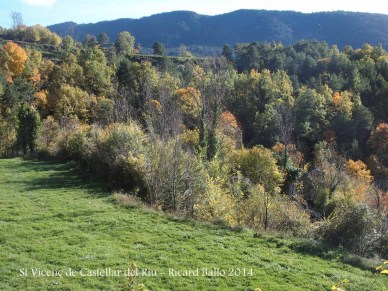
{"type": "Point", "coordinates": [49, 136]}
{"type": "Point", "coordinates": [355, 227]}
{"type": "Point", "coordinates": [121, 141]}
{"type": "Point", "coordinates": [72, 142]}
{"type": "Point", "coordinates": [119, 154]}
{"type": "Point", "coordinates": [215, 204]}
{"type": "Point", "coordinates": [7, 136]}
{"type": "Point", "coordinates": [258, 209]}
{"type": "Point", "coordinates": [76, 145]}
{"type": "Point", "coordinates": [173, 176]}
{"type": "Point", "coordinates": [127, 200]}
{"type": "Point", "coordinates": [288, 216]}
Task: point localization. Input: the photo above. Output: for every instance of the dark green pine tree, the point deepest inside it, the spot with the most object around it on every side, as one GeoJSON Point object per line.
{"type": "Point", "coordinates": [103, 39]}
{"type": "Point", "coordinates": [203, 136]}
{"type": "Point", "coordinates": [159, 49]}
{"type": "Point", "coordinates": [227, 52]}
{"type": "Point", "coordinates": [212, 148]}
{"type": "Point", "coordinates": [213, 144]}
{"type": "Point", "coordinates": [28, 128]}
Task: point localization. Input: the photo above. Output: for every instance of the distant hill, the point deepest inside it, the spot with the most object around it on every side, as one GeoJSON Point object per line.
{"type": "Point", "coordinates": [191, 29]}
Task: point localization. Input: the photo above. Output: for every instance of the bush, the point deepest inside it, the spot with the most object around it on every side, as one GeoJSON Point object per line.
{"type": "Point", "coordinates": [72, 142]}
{"type": "Point", "coordinates": [215, 204]}
{"type": "Point", "coordinates": [174, 177]}
{"type": "Point", "coordinates": [118, 155]}
{"type": "Point", "coordinates": [289, 217]}
{"type": "Point", "coordinates": [49, 137]}
{"type": "Point", "coordinates": [127, 200]}
{"type": "Point", "coordinates": [357, 228]}
{"type": "Point", "coordinates": [259, 209]}
{"type": "Point", "coordinates": [7, 137]}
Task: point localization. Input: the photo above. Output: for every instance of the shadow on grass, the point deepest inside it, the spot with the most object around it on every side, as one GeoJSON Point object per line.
{"type": "Point", "coordinates": [66, 176]}
{"type": "Point", "coordinates": [322, 250]}
{"type": "Point", "coordinates": [28, 165]}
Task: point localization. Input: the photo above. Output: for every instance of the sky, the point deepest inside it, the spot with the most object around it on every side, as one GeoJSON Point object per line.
{"type": "Point", "coordinates": [46, 12]}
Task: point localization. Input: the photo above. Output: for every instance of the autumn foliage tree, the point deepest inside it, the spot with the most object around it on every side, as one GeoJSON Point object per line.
{"type": "Point", "coordinates": [259, 166]}
{"type": "Point", "coordinates": [378, 146]}
{"type": "Point", "coordinates": [13, 60]}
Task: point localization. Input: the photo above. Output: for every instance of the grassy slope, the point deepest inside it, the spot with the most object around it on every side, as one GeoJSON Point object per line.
{"type": "Point", "coordinates": [53, 220]}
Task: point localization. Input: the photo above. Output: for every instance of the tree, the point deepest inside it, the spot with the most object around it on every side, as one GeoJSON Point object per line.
{"type": "Point", "coordinates": [7, 132]}
{"type": "Point", "coordinates": [327, 182]}
{"type": "Point", "coordinates": [32, 34]}
{"type": "Point", "coordinates": [189, 101]}
{"type": "Point", "coordinates": [103, 39]}
{"type": "Point", "coordinates": [174, 178]}
{"type": "Point", "coordinates": [253, 57]}
{"type": "Point", "coordinates": [311, 114]}
{"type": "Point", "coordinates": [18, 91]}
{"type": "Point", "coordinates": [68, 72]}
{"type": "Point", "coordinates": [89, 40]}
{"type": "Point", "coordinates": [104, 111]}
{"type": "Point", "coordinates": [378, 146]}
{"type": "Point", "coordinates": [49, 133]}
{"type": "Point", "coordinates": [285, 125]}
{"type": "Point", "coordinates": [159, 49]}
{"type": "Point", "coordinates": [227, 52]}
{"type": "Point", "coordinates": [259, 166]}
{"type": "Point", "coordinates": [13, 59]}
{"type": "Point", "coordinates": [136, 82]}
{"type": "Point", "coordinates": [28, 128]}
{"type": "Point", "coordinates": [125, 43]}
{"type": "Point", "coordinates": [72, 101]}
{"type": "Point", "coordinates": [67, 44]}
{"type": "Point", "coordinates": [96, 71]}
{"type": "Point", "coordinates": [17, 19]}
{"type": "Point", "coordinates": [214, 83]}
{"type": "Point", "coordinates": [164, 117]}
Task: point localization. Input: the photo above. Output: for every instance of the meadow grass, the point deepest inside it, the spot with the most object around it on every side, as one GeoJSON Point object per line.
{"type": "Point", "coordinates": [53, 219]}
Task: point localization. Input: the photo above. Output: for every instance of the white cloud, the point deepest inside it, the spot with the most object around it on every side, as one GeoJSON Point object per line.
{"type": "Point", "coordinates": [47, 3]}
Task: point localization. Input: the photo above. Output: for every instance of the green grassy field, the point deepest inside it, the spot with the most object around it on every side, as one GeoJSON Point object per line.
{"type": "Point", "coordinates": [53, 220]}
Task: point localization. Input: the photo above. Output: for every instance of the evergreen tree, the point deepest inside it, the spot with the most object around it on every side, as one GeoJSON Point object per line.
{"type": "Point", "coordinates": [159, 49]}
{"type": "Point", "coordinates": [227, 52]}
{"type": "Point", "coordinates": [27, 131]}
{"type": "Point", "coordinates": [103, 39]}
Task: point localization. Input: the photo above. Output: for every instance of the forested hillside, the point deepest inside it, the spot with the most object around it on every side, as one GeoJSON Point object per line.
{"type": "Point", "coordinates": [178, 28]}
{"type": "Point", "coordinates": [292, 139]}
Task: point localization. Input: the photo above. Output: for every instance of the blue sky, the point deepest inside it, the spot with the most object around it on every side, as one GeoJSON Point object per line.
{"type": "Point", "coordinates": [48, 12]}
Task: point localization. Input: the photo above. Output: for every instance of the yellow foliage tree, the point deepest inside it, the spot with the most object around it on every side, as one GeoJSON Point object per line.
{"type": "Point", "coordinates": [359, 169]}
{"type": "Point", "coordinates": [40, 100]}
{"type": "Point", "coordinates": [13, 60]}
{"type": "Point", "coordinates": [72, 101]}
{"type": "Point", "coordinates": [189, 100]}
{"type": "Point", "coordinates": [215, 204]}
{"type": "Point", "coordinates": [361, 179]}
{"type": "Point", "coordinates": [342, 102]}
{"type": "Point", "coordinates": [258, 165]}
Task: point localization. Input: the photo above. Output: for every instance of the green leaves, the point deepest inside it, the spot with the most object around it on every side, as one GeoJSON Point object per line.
{"type": "Point", "coordinates": [27, 131]}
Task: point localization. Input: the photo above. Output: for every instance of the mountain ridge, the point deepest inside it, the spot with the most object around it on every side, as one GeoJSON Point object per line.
{"type": "Point", "coordinates": [178, 28]}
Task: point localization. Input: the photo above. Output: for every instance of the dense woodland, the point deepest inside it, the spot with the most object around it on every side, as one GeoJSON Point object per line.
{"type": "Point", "coordinates": [272, 137]}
